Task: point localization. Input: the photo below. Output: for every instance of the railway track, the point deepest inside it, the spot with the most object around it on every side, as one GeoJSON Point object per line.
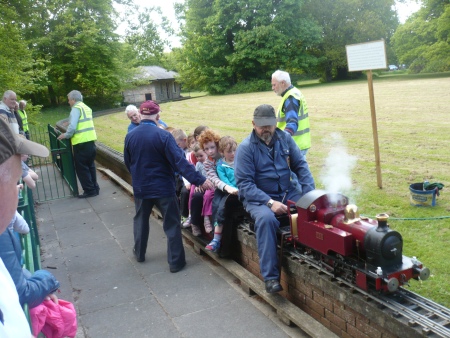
{"type": "Point", "coordinates": [433, 318]}
{"type": "Point", "coordinates": [428, 318]}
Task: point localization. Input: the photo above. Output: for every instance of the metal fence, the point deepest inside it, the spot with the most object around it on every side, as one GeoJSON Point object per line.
{"type": "Point", "coordinates": [30, 242]}
{"type": "Point", "coordinates": [57, 178]}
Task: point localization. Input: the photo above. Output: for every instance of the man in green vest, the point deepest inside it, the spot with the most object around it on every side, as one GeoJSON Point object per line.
{"type": "Point", "coordinates": [292, 113]}
{"type": "Point", "coordinates": [82, 134]}
{"type": "Point", "coordinates": [24, 117]}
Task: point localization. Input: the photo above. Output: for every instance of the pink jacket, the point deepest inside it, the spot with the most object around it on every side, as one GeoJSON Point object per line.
{"type": "Point", "coordinates": [54, 320]}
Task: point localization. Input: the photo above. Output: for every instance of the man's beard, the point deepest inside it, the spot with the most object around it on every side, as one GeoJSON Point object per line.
{"type": "Point", "coordinates": [266, 137]}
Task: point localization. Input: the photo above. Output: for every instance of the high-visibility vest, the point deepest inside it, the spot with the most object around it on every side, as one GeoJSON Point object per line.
{"type": "Point", "coordinates": [85, 131]}
{"type": "Point", "coordinates": [24, 117]}
{"type": "Point", "coordinates": [302, 136]}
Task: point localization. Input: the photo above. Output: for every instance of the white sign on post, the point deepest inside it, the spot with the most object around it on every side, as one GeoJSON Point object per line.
{"type": "Point", "coordinates": [367, 55]}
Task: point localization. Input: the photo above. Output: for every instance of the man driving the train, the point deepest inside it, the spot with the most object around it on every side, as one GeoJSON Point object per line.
{"type": "Point", "coordinates": [269, 171]}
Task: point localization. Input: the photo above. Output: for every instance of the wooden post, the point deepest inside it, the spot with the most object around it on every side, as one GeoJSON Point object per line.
{"type": "Point", "coordinates": [374, 129]}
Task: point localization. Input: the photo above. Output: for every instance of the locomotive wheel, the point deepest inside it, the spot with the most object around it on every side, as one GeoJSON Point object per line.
{"type": "Point", "coordinates": [424, 274]}
{"type": "Point", "coordinates": [392, 284]}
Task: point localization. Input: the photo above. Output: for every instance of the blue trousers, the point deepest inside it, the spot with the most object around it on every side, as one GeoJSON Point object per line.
{"type": "Point", "coordinates": [170, 211]}
{"type": "Point", "coordinates": [266, 226]}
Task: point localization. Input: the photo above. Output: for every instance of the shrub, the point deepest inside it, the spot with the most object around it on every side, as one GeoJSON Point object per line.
{"type": "Point", "coordinates": [249, 87]}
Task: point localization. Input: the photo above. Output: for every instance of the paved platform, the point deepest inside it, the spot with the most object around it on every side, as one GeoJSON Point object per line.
{"type": "Point", "coordinates": [87, 244]}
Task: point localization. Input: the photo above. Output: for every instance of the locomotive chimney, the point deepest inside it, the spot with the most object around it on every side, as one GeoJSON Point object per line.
{"type": "Point", "coordinates": [382, 222]}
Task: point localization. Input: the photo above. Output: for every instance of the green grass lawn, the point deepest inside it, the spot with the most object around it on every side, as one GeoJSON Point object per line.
{"type": "Point", "coordinates": [50, 116]}
{"type": "Point", "coordinates": [413, 119]}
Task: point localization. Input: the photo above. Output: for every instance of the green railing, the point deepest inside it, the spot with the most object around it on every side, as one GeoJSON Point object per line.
{"type": "Point", "coordinates": [30, 242]}
{"type": "Point", "coordinates": [57, 178]}
{"type": "Point", "coordinates": [63, 158]}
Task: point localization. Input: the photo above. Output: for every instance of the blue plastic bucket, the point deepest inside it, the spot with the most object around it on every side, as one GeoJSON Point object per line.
{"type": "Point", "coordinates": [420, 197]}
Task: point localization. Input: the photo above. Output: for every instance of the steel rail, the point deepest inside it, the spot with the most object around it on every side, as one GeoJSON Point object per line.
{"type": "Point", "coordinates": [436, 319]}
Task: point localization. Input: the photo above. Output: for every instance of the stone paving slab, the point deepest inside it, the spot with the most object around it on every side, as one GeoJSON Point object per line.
{"type": "Point", "coordinates": [138, 318]}
{"type": "Point", "coordinates": [82, 234]}
{"type": "Point", "coordinates": [108, 288]}
{"type": "Point", "coordinates": [179, 294]}
{"type": "Point", "coordinates": [116, 218]}
{"type": "Point", "coordinates": [76, 218]}
{"type": "Point", "coordinates": [94, 257]}
{"type": "Point", "coordinates": [231, 319]}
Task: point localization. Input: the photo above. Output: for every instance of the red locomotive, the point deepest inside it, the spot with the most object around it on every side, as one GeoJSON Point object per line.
{"type": "Point", "coordinates": [358, 249]}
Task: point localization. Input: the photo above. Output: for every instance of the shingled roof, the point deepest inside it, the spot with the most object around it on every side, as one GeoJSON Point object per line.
{"type": "Point", "coordinates": [153, 73]}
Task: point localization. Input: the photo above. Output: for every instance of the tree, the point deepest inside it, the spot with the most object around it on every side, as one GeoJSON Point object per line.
{"type": "Point", "coordinates": [18, 69]}
{"type": "Point", "coordinates": [78, 39]}
{"type": "Point", "coordinates": [230, 41]}
{"type": "Point", "coordinates": [143, 38]}
{"type": "Point", "coordinates": [346, 22]}
{"type": "Point", "coordinates": [423, 41]}
{"type": "Point", "coordinates": [50, 47]}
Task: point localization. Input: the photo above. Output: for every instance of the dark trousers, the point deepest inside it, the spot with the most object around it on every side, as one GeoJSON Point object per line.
{"type": "Point", "coordinates": [225, 208]}
{"type": "Point", "coordinates": [196, 209]}
{"type": "Point", "coordinates": [266, 226]}
{"type": "Point", "coordinates": [184, 201]}
{"type": "Point", "coordinates": [170, 211]}
{"type": "Point", "coordinates": [84, 157]}
{"type": "Point", "coordinates": [218, 206]}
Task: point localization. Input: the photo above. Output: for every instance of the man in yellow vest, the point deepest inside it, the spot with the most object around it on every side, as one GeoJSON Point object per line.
{"type": "Point", "coordinates": [292, 113]}
{"type": "Point", "coordinates": [24, 117]}
{"type": "Point", "coordinates": [82, 134]}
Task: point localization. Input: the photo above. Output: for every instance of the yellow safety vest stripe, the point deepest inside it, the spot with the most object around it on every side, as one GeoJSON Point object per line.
{"type": "Point", "coordinates": [24, 117]}
{"type": "Point", "coordinates": [302, 136]}
{"type": "Point", "coordinates": [85, 131]}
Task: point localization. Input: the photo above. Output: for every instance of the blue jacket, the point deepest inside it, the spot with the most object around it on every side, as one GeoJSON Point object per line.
{"type": "Point", "coordinates": [260, 177]}
{"type": "Point", "coordinates": [226, 173]}
{"type": "Point", "coordinates": [32, 288]}
{"type": "Point", "coordinates": [152, 157]}
{"type": "Point", "coordinates": [131, 126]}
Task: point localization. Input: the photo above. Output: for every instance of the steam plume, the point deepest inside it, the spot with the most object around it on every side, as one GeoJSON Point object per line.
{"type": "Point", "coordinates": [336, 173]}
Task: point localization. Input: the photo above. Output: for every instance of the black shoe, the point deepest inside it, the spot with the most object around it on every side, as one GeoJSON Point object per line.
{"type": "Point", "coordinates": [174, 269]}
{"type": "Point", "coordinates": [139, 260]}
{"type": "Point", "coordinates": [273, 286]}
{"type": "Point", "coordinates": [85, 194]}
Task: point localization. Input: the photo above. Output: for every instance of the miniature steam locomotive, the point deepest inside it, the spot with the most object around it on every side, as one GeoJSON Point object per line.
{"type": "Point", "coordinates": [360, 250]}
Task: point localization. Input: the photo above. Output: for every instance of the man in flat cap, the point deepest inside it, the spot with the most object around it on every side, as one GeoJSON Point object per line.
{"type": "Point", "coordinates": [12, 318]}
{"type": "Point", "coordinates": [269, 171]}
{"type": "Point", "coordinates": [152, 157]}
{"type": "Point", "coordinates": [82, 134]}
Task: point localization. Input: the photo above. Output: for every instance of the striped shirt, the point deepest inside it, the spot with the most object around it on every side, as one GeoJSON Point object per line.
{"type": "Point", "coordinates": [211, 172]}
